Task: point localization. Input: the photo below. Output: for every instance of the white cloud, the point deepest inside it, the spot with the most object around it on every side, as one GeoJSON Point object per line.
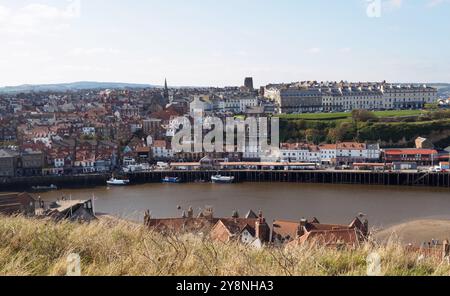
{"type": "Point", "coordinates": [434, 3]}
{"type": "Point", "coordinates": [35, 17]}
{"type": "Point", "coordinates": [93, 51]}
{"type": "Point", "coordinates": [4, 13]}
{"type": "Point", "coordinates": [345, 50]}
{"type": "Point", "coordinates": [391, 5]}
{"type": "Point", "coordinates": [395, 3]}
{"type": "Point", "coordinates": [314, 50]}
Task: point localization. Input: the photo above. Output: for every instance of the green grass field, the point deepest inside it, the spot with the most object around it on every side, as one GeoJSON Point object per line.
{"type": "Point", "coordinates": [348, 115]}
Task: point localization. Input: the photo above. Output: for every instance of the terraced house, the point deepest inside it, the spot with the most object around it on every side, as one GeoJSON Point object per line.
{"type": "Point", "coordinates": [306, 97]}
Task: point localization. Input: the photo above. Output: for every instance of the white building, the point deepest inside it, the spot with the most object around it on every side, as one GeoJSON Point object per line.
{"type": "Point", "coordinates": [334, 97]}
{"type": "Point", "coordinates": [161, 150]}
{"type": "Point", "coordinates": [59, 162]}
{"type": "Point", "coordinates": [88, 131]}
{"type": "Point", "coordinates": [300, 153]}
{"type": "Point", "coordinates": [408, 96]}
{"type": "Point", "coordinates": [328, 153]}
{"type": "Point", "coordinates": [351, 152]}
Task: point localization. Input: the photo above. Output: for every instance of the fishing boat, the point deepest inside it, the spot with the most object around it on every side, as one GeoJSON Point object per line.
{"type": "Point", "coordinates": [218, 179]}
{"type": "Point", "coordinates": [171, 180]}
{"type": "Point", "coordinates": [44, 188]}
{"type": "Point", "coordinates": [117, 182]}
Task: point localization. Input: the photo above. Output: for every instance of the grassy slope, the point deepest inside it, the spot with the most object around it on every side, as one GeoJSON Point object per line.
{"type": "Point", "coordinates": [29, 247]}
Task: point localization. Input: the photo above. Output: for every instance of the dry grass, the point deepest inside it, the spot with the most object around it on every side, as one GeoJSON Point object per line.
{"type": "Point", "coordinates": [33, 247]}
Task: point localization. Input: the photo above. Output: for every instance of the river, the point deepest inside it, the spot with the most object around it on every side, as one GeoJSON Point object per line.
{"type": "Point", "coordinates": [384, 206]}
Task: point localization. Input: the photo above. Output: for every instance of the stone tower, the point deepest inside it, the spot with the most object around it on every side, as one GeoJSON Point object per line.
{"type": "Point", "coordinates": [166, 91]}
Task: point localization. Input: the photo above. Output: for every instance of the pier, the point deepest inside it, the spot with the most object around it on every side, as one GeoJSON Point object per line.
{"type": "Point", "coordinates": [420, 179]}
{"type": "Point", "coordinates": [423, 179]}
{"type": "Point", "coordinates": [76, 181]}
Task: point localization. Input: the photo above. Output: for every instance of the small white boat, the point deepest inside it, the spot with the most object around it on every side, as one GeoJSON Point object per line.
{"type": "Point", "coordinates": [117, 182]}
{"type": "Point", "coordinates": [218, 179]}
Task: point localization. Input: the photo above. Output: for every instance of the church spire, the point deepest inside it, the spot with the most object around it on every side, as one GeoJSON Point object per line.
{"type": "Point", "coordinates": [166, 90]}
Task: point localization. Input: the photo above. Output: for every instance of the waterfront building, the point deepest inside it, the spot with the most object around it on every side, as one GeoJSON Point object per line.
{"type": "Point", "coordinates": [328, 153]}
{"type": "Point", "coordinates": [31, 163]}
{"type": "Point", "coordinates": [419, 156]}
{"type": "Point", "coordinates": [353, 152]}
{"type": "Point", "coordinates": [300, 152]}
{"type": "Point", "coordinates": [350, 152]}
{"type": "Point", "coordinates": [161, 150]}
{"type": "Point", "coordinates": [17, 203]}
{"type": "Point", "coordinates": [8, 163]}
{"type": "Point", "coordinates": [143, 153]}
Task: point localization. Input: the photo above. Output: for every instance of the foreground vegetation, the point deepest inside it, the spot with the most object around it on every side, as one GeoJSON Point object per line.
{"type": "Point", "coordinates": [29, 247]}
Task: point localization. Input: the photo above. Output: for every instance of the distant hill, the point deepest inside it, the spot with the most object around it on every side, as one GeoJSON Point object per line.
{"type": "Point", "coordinates": [83, 85]}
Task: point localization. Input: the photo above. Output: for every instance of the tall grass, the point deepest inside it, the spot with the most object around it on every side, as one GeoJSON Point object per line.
{"type": "Point", "coordinates": [36, 247]}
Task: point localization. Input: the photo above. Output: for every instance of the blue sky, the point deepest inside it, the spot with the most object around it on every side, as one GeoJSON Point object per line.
{"type": "Point", "coordinates": [217, 43]}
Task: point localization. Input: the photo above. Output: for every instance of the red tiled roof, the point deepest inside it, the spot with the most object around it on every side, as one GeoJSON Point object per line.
{"type": "Point", "coordinates": [143, 150]}
{"type": "Point", "coordinates": [328, 147]}
{"type": "Point", "coordinates": [410, 152]}
{"type": "Point", "coordinates": [235, 226]}
{"type": "Point", "coordinates": [331, 237]}
{"type": "Point", "coordinates": [290, 229]}
{"type": "Point", "coordinates": [160, 144]}
{"type": "Point", "coordinates": [351, 146]}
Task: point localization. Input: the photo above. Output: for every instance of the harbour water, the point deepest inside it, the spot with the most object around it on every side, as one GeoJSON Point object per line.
{"type": "Point", "coordinates": [384, 206]}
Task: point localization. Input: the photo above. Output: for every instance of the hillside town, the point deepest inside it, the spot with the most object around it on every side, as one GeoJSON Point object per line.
{"type": "Point", "coordinates": [106, 131]}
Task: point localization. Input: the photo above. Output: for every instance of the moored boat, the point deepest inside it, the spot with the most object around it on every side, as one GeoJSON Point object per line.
{"type": "Point", "coordinates": [171, 180]}
{"type": "Point", "coordinates": [117, 182]}
{"type": "Point", "coordinates": [218, 179]}
{"type": "Point", "coordinates": [44, 188]}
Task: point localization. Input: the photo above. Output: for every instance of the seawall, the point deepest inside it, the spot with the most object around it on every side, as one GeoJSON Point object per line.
{"type": "Point", "coordinates": [26, 183]}
{"type": "Point", "coordinates": [423, 179]}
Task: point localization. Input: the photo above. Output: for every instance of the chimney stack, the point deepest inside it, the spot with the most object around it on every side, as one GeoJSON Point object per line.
{"type": "Point", "coordinates": [302, 227]}
{"type": "Point", "coordinates": [262, 229]}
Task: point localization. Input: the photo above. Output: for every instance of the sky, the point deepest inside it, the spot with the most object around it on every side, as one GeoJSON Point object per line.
{"type": "Point", "coordinates": [219, 43]}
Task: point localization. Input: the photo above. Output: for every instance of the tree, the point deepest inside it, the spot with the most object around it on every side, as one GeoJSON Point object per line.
{"type": "Point", "coordinates": [363, 116]}
{"type": "Point", "coordinates": [312, 135]}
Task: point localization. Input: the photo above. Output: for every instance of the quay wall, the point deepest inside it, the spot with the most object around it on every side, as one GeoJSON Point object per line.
{"type": "Point", "coordinates": [26, 183]}
{"type": "Point", "coordinates": [424, 179]}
